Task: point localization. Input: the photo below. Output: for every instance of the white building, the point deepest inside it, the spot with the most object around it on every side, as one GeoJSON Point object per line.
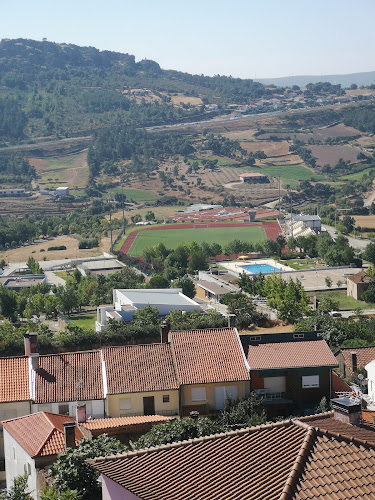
{"type": "Point", "coordinates": [370, 368]}
{"type": "Point", "coordinates": [62, 191]}
{"type": "Point", "coordinates": [312, 221]}
{"type": "Point", "coordinates": [32, 442]}
{"type": "Point", "coordinates": [127, 301]}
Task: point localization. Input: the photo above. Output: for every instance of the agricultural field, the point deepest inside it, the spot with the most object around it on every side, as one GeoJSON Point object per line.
{"type": "Point", "coordinates": [289, 174]}
{"type": "Point", "coordinates": [331, 154]}
{"type": "Point", "coordinates": [270, 148]}
{"type": "Point", "coordinates": [357, 176]}
{"type": "Point", "coordinates": [365, 220]}
{"type": "Point", "coordinates": [71, 170]}
{"type": "Point", "coordinates": [181, 98]}
{"type": "Point", "coordinates": [174, 237]}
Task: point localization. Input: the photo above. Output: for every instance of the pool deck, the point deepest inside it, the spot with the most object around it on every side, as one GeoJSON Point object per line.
{"type": "Point", "coordinates": [238, 266]}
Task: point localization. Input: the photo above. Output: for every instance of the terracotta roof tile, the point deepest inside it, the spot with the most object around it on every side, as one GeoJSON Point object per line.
{"type": "Point", "coordinates": [40, 434]}
{"type": "Point", "coordinates": [139, 368]}
{"type": "Point", "coordinates": [290, 355]}
{"type": "Point", "coordinates": [285, 461]}
{"type": "Point", "coordinates": [364, 356]}
{"type": "Point", "coordinates": [113, 423]}
{"type": "Point", "coordinates": [75, 376]}
{"type": "Point", "coordinates": [248, 464]}
{"type": "Point", "coordinates": [205, 356]}
{"type": "Point", "coordinates": [14, 380]}
{"type": "Point", "coordinates": [368, 416]}
{"type": "Point", "coordinates": [338, 385]}
{"type": "Point", "coordinates": [360, 277]}
{"type": "Point", "coordinates": [327, 422]}
{"type": "Point", "coordinates": [339, 469]}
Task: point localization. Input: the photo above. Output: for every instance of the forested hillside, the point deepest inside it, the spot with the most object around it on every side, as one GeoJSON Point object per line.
{"type": "Point", "coordinates": [50, 89]}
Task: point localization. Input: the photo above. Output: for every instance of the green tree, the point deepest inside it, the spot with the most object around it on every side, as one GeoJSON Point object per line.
{"type": "Point", "coordinates": [195, 320]}
{"type": "Point", "coordinates": [51, 493]}
{"type": "Point", "coordinates": [71, 472]}
{"type": "Point", "coordinates": [243, 412]}
{"type": "Point", "coordinates": [136, 218]}
{"type": "Point", "coordinates": [197, 262]}
{"type": "Point", "coordinates": [244, 309]}
{"type": "Point", "coordinates": [150, 215]}
{"type": "Point", "coordinates": [328, 303]}
{"type": "Point", "coordinates": [158, 281]}
{"type": "Point", "coordinates": [328, 281]}
{"type": "Point", "coordinates": [187, 285]}
{"type": "Point", "coordinates": [369, 253]}
{"type": "Point", "coordinates": [18, 490]}
{"type": "Point", "coordinates": [179, 429]}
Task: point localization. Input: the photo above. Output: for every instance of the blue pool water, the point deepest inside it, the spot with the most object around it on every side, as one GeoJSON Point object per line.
{"type": "Point", "coordinates": [260, 268]}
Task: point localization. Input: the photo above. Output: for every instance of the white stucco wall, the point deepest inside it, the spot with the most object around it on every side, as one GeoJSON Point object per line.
{"type": "Point", "coordinates": [17, 461]}
{"type": "Point", "coordinates": [370, 368]}
{"type": "Point", "coordinates": [95, 408]}
{"type": "Point", "coordinates": [113, 491]}
{"type": "Point", "coordinates": [8, 411]}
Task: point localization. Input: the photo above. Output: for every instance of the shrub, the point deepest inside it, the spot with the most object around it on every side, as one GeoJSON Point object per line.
{"type": "Point", "coordinates": [61, 247]}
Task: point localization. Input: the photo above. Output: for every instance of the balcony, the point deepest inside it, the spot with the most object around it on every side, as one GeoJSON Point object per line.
{"type": "Point", "coordinates": [274, 397]}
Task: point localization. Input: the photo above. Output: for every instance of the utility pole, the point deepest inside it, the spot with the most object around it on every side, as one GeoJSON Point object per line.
{"type": "Point", "coordinates": [279, 201]}
{"type": "Point", "coordinates": [123, 209]}
{"type": "Point", "coordinates": [291, 212]}
{"type": "Point", "coordinates": [110, 222]}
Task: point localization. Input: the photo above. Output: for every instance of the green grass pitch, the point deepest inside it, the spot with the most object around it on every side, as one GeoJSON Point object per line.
{"type": "Point", "coordinates": [174, 237]}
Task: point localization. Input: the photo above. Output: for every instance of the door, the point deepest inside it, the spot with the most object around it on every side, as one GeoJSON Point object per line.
{"type": "Point", "coordinates": [149, 405]}
{"type": "Point", "coordinates": [222, 393]}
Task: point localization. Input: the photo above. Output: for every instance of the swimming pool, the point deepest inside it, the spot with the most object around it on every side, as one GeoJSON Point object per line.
{"type": "Point", "coordinates": [260, 268]}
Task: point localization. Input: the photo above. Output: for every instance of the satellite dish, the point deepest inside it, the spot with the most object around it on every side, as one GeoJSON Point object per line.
{"type": "Point", "coordinates": [360, 376]}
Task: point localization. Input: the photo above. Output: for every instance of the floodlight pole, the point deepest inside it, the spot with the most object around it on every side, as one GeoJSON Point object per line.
{"type": "Point", "coordinates": [123, 208]}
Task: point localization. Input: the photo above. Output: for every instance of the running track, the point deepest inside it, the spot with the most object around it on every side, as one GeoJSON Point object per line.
{"type": "Point", "coordinates": [272, 230]}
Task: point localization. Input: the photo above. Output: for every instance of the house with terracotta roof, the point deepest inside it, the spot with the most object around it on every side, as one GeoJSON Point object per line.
{"type": "Point", "coordinates": [140, 380]}
{"type": "Point", "coordinates": [352, 359]}
{"type": "Point", "coordinates": [211, 367]}
{"type": "Point", "coordinates": [61, 382]}
{"type": "Point", "coordinates": [31, 444]}
{"type": "Point", "coordinates": [357, 284]}
{"type": "Point", "coordinates": [327, 456]}
{"type": "Point", "coordinates": [291, 375]}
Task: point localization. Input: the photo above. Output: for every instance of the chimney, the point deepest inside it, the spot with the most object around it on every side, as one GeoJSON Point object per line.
{"type": "Point", "coordinates": [69, 431]}
{"type": "Point", "coordinates": [81, 414]}
{"type": "Point", "coordinates": [231, 320]}
{"type": "Point", "coordinates": [347, 410]}
{"type": "Point", "coordinates": [353, 356]}
{"type": "Point", "coordinates": [30, 342]}
{"type": "Point", "coordinates": [34, 361]}
{"type": "Point", "coordinates": [164, 330]}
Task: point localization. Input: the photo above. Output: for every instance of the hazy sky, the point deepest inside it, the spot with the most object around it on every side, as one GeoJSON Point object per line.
{"type": "Point", "coordinates": [244, 38]}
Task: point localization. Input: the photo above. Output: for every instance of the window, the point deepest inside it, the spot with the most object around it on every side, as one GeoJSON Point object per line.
{"type": "Point", "coordinates": [64, 409]}
{"type": "Point", "coordinates": [310, 381]}
{"type": "Point", "coordinates": [125, 404]}
{"type": "Point", "coordinates": [255, 339]}
{"type": "Point", "coordinates": [198, 394]}
{"type": "Point", "coordinates": [166, 398]}
{"type": "Point", "coordinates": [27, 469]}
{"type": "Point", "coordinates": [299, 336]}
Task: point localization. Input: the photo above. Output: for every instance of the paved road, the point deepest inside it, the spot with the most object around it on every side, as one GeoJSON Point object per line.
{"type": "Point", "coordinates": [354, 242]}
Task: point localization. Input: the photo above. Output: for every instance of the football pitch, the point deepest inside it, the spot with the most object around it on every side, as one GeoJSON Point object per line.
{"type": "Point", "coordinates": [174, 237]}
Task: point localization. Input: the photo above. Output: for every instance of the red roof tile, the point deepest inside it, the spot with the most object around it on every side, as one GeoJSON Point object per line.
{"type": "Point", "coordinates": [290, 355]}
{"type": "Point", "coordinates": [205, 356]}
{"type": "Point", "coordinates": [368, 416]}
{"type": "Point", "coordinates": [236, 465]}
{"type": "Point", "coordinates": [364, 356]}
{"type": "Point", "coordinates": [40, 434]}
{"type": "Point", "coordinates": [139, 368]}
{"type": "Point", "coordinates": [338, 385]}
{"type": "Point", "coordinates": [113, 423]}
{"type": "Point", "coordinates": [14, 380]}
{"type": "Point", "coordinates": [285, 461]}
{"type": "Point", "coordinates": [75, 376]}
{"type": "Point", "coordinates": [360, 277]}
